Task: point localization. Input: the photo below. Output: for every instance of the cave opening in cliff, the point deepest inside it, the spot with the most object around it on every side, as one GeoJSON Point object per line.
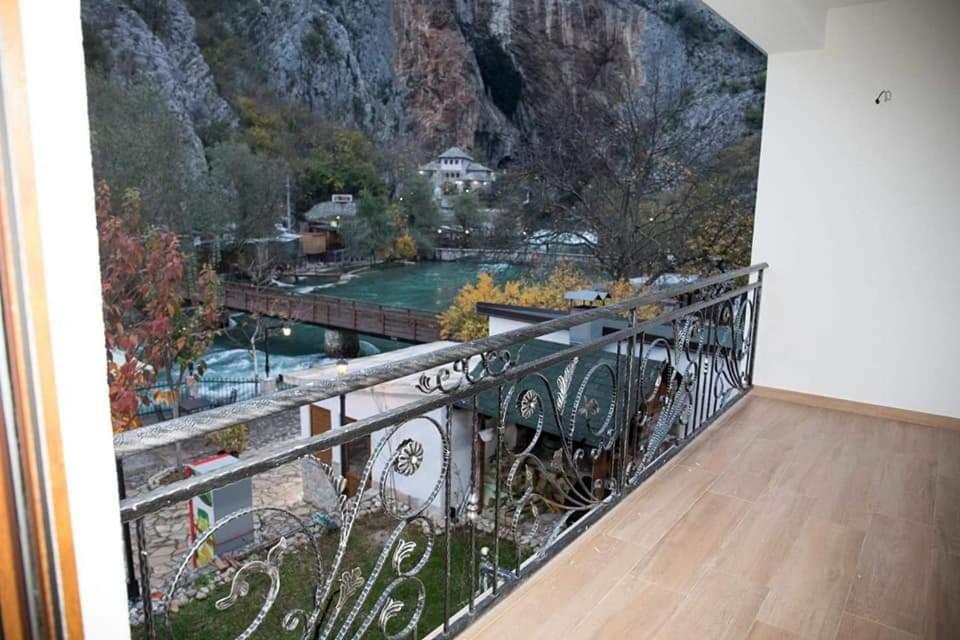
{"type": "Point", "coordinates": [501, 78]}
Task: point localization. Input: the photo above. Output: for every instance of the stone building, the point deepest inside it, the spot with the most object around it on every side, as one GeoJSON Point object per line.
{"type": "Point", "coordinates": [455, 171]}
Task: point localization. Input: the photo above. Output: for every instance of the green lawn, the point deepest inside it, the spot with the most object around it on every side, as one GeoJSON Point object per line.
{"type": "Point", "coordinates": [201, 619]}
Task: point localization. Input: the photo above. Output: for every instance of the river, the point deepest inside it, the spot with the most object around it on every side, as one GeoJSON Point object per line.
{"type": "Point", "coordinates": [427, 286]}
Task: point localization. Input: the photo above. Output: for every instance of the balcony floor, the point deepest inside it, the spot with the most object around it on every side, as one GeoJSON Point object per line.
{"type": "Point", "coordinates": [782, 521]}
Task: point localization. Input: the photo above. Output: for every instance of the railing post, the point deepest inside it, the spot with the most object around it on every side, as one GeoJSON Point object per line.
{"type": "Point", "coordinates": [133, 589]}
{"type": "Point", "coordinates": [475, 484]}
{"type": "Point", "coordinates": [446, 524]}
{"type": "Point", "coordinates": [146, 600]}
{"type": "Point", "coordinates": [628, 411]}
{"type": "Point", "coordinates": [754, 323]}
{"type": "Point", "coordinates": [496, 503]}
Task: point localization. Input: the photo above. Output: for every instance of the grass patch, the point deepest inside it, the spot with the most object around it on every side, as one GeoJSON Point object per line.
{"type": "Point", "coordinates": [299, 578]}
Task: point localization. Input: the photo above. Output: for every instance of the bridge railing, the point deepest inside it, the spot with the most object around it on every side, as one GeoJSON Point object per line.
{"type": "Point", "coordinates": [439, 507]}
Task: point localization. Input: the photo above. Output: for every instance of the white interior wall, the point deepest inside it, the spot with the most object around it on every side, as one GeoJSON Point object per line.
{"type": "Point", "coordinates": [858, 210]}
{"type": "Point", "coordinates": [56, 95]}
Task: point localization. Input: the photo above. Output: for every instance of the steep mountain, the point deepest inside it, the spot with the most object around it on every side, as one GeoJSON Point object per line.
{"type": "Point", "coordinates": [477, 73]}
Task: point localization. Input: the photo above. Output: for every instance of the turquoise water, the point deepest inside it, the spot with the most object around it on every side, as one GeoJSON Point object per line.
{"type": "Point", "coordinates": [428, 286]}
{"type": "Point", "coordinates": [230, 357]}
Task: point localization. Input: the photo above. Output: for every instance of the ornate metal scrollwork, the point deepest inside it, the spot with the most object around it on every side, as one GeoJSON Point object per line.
{"type": "Point", "coordinates": [733, 346]}
{"type": "Point", "coordinates": [667, 407]}
{"type": "Point", "coordinates": [342, 599]}
{"type": "Point", "coordinates": [559, 485]}
{"type": "Point", "coordinates": [409, 457]}
{"type": "Point", "coordinates": [449, 379]}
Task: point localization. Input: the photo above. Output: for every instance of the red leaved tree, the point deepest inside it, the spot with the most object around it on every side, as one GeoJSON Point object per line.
{"type": "Point", "coordinates": [150, 331]}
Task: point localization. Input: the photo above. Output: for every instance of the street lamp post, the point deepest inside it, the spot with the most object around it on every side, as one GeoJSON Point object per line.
{"type": "Point", "coordinates": [284, 330]}
{"type": "Point", "coordinates": [342, 367]}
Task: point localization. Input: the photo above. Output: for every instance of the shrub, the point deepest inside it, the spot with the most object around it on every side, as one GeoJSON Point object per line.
{"type": "Point", "coordinates": [234, 440]}
{"type": "Point", "coordinates": [462, 322]}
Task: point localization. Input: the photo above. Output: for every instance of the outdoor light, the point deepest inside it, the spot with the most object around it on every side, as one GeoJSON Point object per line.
{"type": "Point", "coordinates": [467, 231]}
{"type": "Point", "coordinates": [285, 330]}
{"type": "Point", "coordinates": [342, 366]}
{"type": "Point", "coordinates": [439, 230]}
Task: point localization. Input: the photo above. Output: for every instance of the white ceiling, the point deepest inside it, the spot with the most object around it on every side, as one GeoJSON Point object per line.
{"type": "Point", "coordinates": [777, 26]}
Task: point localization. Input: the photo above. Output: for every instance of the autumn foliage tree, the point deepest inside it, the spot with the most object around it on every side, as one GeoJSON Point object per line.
{"type": "Point", "coordinates": [462, 321]}
{"type": "Point", "coordinates": [150, 332]}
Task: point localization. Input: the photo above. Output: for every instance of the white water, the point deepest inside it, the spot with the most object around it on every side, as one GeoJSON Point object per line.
{"type": "Point", "coordinates": [237, 364]}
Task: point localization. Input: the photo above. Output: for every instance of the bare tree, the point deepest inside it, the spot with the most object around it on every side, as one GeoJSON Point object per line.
{"type": "Point", "coordinates": [633, 179]}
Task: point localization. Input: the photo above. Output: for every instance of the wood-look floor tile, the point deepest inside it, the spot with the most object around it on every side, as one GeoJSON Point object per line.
{"type": "Point", "coordinates": [845, 485]}
{"type": "Point", "coordinates": [761, 631]}
{"type": "Point", "coordinates": [943, 601]}
{"type": "Point", "coordinates": [856, 628]}
{"type": "Point", "coordinates": [575, 581]}
{"type": "Point", "coordinates": [857, 510]}
{"type": "Point", "coordinates": [908, 487]}
{"type": "Point", "coordinates": [862, 433]}
{"type": "Point", "coordinates": [808, 591]}
{"type": "Point", "coordinates": [651, 511]}
{"type": "Point", "coordinates": [892, 573]}
{"type": "Point", "coordinates": [785, 420]}
{"type": "Point", "coordinates": [678, 561]}
{"type": "Point", "coordinates": [720, 607]}
{"type": "Point", "coordinates": [909, 439]}
{"type": "Point", "coordinates": [759, 545]}
{"type": "Point", "coordinates": [795, 471]}
{"type": "Point", "coordinates": [716, 450]}
{"type": "Point", "coordinates": [758, 416]}
{"type": "Point", "coordinates": [947, 513]}
{"type": "Point", "coordinates": [948, 454]}
{"type": "Point", "coordinates": [633, 608]}
{"type": "Point", "coordinates": [749, 476]}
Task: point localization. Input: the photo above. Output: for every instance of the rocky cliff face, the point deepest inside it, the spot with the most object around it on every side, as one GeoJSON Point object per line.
{"type": "Point", "coordinates": [163, 54]}
{"type": "Point", "coordinates": [477, 73]}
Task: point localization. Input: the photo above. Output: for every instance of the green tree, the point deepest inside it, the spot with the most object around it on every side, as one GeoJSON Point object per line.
{"type": "Point", "coordinates": [343, 162]}
{"type": "Point", "coordinates": [372, 231]}
{"type": "Point", "coordinates": [466, 211]}
{"type": "Point", "coordinates": [254, 188]}
{"type": "Point", "coordinates": [418, 213]}
{"type": "Point", "coordinates": [138, 144]}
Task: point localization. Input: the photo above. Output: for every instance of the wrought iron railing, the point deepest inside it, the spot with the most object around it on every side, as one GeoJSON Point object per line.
{"type": "Point", "coordinates": [516, 446]}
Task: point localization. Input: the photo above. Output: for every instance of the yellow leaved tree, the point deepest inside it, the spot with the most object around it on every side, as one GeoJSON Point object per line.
{"type": "Point", "coordinates": [462, 322]}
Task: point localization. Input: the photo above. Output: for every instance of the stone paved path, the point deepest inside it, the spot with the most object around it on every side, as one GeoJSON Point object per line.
{"type": "Point", "coordinates": [168, 530]}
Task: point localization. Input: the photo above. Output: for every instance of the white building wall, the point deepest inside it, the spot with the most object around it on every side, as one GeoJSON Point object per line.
{"type": "Point", "coordinates": [497, 326]}
{"type": "Point", "coordinates": [373, 402]}
{"type": "Point", "coordinates": [858, 210]}
{"type": "Point", "coordinates": [57, 102]}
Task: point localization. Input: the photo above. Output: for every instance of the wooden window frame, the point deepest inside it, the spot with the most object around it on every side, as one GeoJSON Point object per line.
{"type": "Point", "coordinates": [39, 594]}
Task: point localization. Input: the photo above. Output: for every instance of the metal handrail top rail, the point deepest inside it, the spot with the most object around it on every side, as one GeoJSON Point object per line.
{"type": "Point", "coordinates": [138, 506]}
{"type": "Point", "coordinates": [195, 425]}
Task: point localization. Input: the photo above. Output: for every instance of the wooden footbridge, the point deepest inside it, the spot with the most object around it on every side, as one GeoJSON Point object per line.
{"type": "Point", "coordinates": [338, 313]}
